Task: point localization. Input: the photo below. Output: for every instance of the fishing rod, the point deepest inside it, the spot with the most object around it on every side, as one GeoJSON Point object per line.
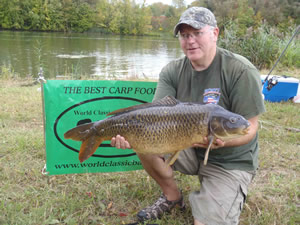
{"type": "Point", "coordinates": [273, 82]}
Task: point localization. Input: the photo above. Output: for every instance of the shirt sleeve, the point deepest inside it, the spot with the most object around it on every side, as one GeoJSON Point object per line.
{"type": "Point", "coordinates": [166, 85]}
{"type": "Point", "coordinates": [246, 95]}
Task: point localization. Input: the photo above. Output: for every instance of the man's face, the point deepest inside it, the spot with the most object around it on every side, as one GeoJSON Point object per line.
{"type": "Point", "coordinates": [197, 45]}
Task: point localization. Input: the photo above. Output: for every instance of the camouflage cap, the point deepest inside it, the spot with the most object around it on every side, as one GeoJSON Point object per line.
{"type": "Point", "coordinates": [197, 17]}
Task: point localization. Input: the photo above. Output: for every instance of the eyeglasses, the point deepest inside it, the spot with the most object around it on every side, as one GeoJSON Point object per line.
{"type": "Point", "coordinates": [195, 35]}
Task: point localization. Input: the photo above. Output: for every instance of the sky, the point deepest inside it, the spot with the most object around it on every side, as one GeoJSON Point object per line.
{"type": "Point", "coordinates": [168, 2]}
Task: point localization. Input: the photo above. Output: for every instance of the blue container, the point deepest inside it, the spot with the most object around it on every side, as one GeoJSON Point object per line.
{"type": "Point", "coordinates": [284, 88]}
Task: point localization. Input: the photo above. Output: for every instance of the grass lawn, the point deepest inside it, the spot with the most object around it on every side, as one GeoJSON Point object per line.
{"type": "Point", "coordinates": [28, 197]}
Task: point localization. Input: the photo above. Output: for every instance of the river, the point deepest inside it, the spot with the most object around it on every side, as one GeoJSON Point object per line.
{"type": "Point", "coordinates": [74, 55]}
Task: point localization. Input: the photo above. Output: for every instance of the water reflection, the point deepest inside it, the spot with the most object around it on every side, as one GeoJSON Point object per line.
{"type": "Point", "coordinates": [86, 54]}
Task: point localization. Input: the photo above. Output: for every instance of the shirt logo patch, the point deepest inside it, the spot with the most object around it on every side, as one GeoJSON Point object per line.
{"type": "Point", "coordinates": [211, 96]}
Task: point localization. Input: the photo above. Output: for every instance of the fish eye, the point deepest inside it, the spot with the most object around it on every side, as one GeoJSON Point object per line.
{"type": "Point", "coordinates": [232, 119]}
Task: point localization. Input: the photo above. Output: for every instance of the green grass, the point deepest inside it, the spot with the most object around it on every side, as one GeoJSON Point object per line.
{"type": "Point", "coordinates": [28, 197]}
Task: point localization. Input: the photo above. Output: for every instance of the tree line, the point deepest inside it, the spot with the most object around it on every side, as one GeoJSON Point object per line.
{"type": "Point", "coordinates": [128, 17]}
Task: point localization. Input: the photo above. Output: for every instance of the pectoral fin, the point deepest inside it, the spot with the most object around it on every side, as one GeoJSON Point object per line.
{"type": "Point", "coordinates": [172, 158]}
{"type": "Point", "coordinates": [211, 140]}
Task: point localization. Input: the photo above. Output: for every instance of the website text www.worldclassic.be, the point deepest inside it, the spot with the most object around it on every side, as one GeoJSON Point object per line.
{"type": "Point", "coordinates": [98, 164]}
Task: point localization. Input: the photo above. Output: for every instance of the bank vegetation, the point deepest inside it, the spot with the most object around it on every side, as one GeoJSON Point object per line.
{"type": "Point", "coordinates": [256, 29]}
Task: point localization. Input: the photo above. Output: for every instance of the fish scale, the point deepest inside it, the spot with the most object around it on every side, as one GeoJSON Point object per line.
{"type": "Point", "coordinates": [158, 125]}
{"type": "Point", "coordinates": [164, 126]}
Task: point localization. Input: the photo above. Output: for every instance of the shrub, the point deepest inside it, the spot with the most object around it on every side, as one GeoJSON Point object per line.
{"type": "Point", "coordinates": [262, 46]}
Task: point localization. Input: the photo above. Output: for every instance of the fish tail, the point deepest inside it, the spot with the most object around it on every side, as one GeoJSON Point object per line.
{"type": "Point", "coordinates": [79, 133]}
{"type": "Point", "coordinates": [89, 146]}
{"type": "Point", "coordinates": [90, 140]}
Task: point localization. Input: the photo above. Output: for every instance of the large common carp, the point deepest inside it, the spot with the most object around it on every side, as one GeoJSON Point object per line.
{"type": "Point", "coordinates": [163, 126]}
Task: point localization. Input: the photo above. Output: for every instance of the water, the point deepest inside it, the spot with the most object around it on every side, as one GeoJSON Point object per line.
{"type": "Point", "coordinates": [106, 56]}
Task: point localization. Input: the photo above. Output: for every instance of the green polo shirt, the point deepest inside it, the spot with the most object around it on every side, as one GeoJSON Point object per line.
{"type": "Point", "coordinates": [230, 81]}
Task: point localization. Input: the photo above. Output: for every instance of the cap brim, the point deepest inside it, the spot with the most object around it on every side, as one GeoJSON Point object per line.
{"type": "Point", "coordinates": [192, 23]}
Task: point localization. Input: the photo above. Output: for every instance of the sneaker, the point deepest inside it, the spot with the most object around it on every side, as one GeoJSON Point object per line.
{"type": "Point", "coordinates": [161, 206]}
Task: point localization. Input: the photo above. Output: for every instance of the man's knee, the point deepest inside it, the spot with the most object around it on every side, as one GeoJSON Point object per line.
{"type": "Point", "coordinates": [156, 165]}
{"type": "Point", "coordinates": [151, 158]}
{"type": "Point", "coordinates": [222, 195]}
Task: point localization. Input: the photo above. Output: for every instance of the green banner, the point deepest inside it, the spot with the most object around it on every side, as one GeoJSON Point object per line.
{"type": "Point", "coordinates": [69, 103]}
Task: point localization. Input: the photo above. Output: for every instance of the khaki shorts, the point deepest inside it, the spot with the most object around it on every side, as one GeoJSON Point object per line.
{"type": "Point", "coordinates": [222, 194]}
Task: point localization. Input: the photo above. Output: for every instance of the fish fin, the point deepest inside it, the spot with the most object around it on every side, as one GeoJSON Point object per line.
{"type": "Point", "coordinates": [166, 101]}
{"type": "Point", "coordinates": [88, 147]}
{"type": "Point", "coordinates": [79, 133]}
{"type": "Point", "coordinates": [170, 161]}
{"type": "Point", "coordinates": [211, 140]}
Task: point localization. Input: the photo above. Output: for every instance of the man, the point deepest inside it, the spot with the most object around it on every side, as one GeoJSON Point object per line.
{"type": "Point", "coordinates": [209, 75]}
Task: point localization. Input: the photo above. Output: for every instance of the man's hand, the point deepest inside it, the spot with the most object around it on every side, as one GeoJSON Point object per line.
{"type": "Point", "coordinates": [120, 142]}
{"type": "Point", "coordinates": [218, 143]}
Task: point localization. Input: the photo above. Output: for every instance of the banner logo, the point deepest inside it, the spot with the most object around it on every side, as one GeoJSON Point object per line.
{"type": "Point", "coordinates": [76, 109]}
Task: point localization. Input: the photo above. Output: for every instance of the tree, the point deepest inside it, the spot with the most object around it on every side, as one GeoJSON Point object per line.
{"type": "Point", "coordinates": [158, 9]}
{"type": "Point", "coordinates": [55, 16]}
{"type": "Point", "coordinates": [127, 21]}
{"type": "Point", "coordinates": [178, 3]}
{"type": "Point", "coordinates": [82, 18]}
{"type": "Point", "coordinates": [237, 11]}
{"type": "Point", "coordinates": [103, 14]}
{"type": "Point", "coordinates": [10, 14]}
{"type": "Point", "coordinates": [142, 19]}
{"type": "Point", "coordinates": [199, 3]}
